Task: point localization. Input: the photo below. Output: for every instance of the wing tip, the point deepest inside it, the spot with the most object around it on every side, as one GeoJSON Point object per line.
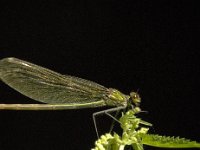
{"type": "Point", "coordinates": [4, 63]}
{"type": "Point", "coordinates": [8, 59]}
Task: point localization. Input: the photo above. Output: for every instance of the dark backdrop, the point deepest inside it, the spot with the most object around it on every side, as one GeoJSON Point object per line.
{"type": "Point", "coordinates": [145, 45]}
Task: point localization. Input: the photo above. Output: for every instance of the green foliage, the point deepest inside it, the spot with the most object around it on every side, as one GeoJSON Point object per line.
{"type": "Point", "coordinates": [168, 142]}
{"type": "Point", "coordinates": [135, 134]}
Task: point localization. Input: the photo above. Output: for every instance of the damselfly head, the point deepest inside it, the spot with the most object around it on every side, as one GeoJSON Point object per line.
{"type": "Point", "coordinates": [135, 98]}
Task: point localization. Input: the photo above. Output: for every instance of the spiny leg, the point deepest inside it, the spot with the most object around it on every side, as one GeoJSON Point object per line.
{"type": "Point", "coordinates": [113, 121]}
{"type": "Point", "coordinates": [107, 112]}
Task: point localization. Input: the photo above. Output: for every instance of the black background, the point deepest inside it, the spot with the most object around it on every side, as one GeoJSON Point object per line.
{"type": "Point", "coordinates": [128, 45]}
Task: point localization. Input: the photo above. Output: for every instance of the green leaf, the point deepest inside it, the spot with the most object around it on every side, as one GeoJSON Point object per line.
{"type": "Point", "coordinates": [168, 142]}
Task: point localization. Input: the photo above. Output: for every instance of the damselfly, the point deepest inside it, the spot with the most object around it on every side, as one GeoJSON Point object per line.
{"type": "Point", "coordinates": [57, 91]}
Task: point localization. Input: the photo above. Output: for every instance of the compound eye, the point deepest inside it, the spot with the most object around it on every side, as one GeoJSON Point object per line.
{"type": "Point", "coordinates": [135, 98]}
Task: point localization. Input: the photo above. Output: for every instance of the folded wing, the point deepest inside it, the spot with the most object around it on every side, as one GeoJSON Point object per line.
{"type": "Point", "coordinates": [47, 86]}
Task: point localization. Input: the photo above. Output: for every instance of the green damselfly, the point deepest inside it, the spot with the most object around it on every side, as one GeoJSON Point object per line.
{"type": "Point", "coordinates": [57, 91]}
